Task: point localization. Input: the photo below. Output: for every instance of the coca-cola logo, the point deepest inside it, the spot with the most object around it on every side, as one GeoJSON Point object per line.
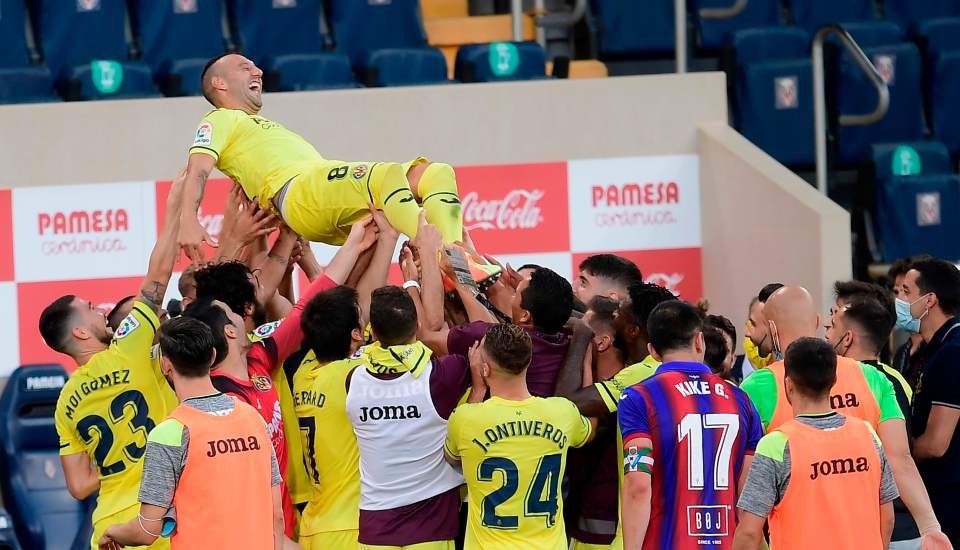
{"type": "Point", "coordinates": [669, 281]}
{"type": "Point", "coordinates": [519, 209]}
{"type": "Point", "coordinates": [212, 223]}
{"type": "Point", "coordinates": [82, 221]}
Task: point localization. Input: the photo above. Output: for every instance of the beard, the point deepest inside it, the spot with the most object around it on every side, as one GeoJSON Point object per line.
{"type": "Point", "coordinates": [259, 315]}
{"type": "Point", "coordinates": [620, 343]}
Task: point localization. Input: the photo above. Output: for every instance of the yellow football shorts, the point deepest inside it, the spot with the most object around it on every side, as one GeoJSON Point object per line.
{"type": "Point", "coordinates": [331, 540]}
{"type": "Point", "coordinates": [433, 545]}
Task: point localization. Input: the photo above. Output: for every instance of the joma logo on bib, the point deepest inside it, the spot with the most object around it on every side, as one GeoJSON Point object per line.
{"type": "Point", "coordinates": [838, 466]}
{"type": "Point", "coordinates": [389, 412]}
{"type": "Point", "coordinates": [232, 445]}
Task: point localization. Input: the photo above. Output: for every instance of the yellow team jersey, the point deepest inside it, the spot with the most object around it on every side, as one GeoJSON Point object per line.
{"type": "Point", "coordinates": [109, 405]}
{"type": "Point", "coordinates": [330, 450]}
{"type": "Point", "coordinates": [513, 455]}
{"type": "Point", "coordinates": [259, 154]}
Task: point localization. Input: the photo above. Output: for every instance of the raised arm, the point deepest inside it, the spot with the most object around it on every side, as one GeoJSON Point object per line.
{"type": "Point", "coordinates": [376, 273]}
{"type": "Point", "coordinates": [191, 235]}
{"type": "Point", "coordinates": [165, 250]}
{"type": "Point", "coordinates": [275, 265]}
{"type": "Point", "coordinates": [428, 245]}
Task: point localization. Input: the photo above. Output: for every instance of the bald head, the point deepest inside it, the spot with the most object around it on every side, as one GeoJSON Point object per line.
{"type": "Point", "coordinates": [791, 314]}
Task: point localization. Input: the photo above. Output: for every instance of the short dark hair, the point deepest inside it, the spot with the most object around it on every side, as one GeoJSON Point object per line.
{"type": "Point", "coordinates": [604, 310]}
{"type": "Point", "coordinates": [327, 322]}
{"type": "Point", "coordinates": [672, 325]}
{"type": "Point", "coordinates": [811, 363]}
{"type": "Point", "coordinates": [55, 323]}
{"type": "Point", "coordinates": [228, 282]}
{"type": "Point", "coordinates": [203, 77]}
{"type": "Point", "coordinates": [847, 291]}
{"type": "Point", "coordinates": [723, 324]}
{"type": "Point", "coordinates": [768, 290]}
{"type": "Point", "coordinates": [528, 266]}
{"type": "Point", "coordinates": [188, 344]}
{"type": "Point", "coordinates": [187, 281]}
{"type": "Point", "coordinates": [643, 298]}
{"type": "Point", "coordinates": [393, 316]}
{"type": "Point", "coordinates": [900, 267]}
{"type": "Point", "coordinates": [114, 318]}
{"type": "Point", "coordinates": [209, 314]}
{"type": "Point", "coordinates": [509, 346]}
{"type": "Point", "coordinates": [874, 319]}
{"type": "Point", "coordinates": [610, 266]}
{"type": "Point", "coordinates": [549, 299]}
{"type": "Point", "coordinates": [942, 278]}
{"type": "Point", "coordinates": [714, 327]}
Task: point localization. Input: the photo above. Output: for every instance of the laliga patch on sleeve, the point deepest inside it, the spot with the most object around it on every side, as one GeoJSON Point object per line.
{"type": "Point", "coordinates": [204, 134]}
{"type": "Point", "coordinates": [128, 325]}
{"type": "Point", "coordinates": [264, 331]}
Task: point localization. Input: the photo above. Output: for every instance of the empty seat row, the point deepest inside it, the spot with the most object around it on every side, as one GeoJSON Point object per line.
{"type": "Point", "coordinates": [630, 28]}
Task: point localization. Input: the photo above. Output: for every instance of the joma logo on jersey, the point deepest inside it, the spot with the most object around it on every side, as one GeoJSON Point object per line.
{"type": "Point", "coordinates": [389, 412]}
{"type": "Point", "coordinates": [232, 445]}
{"type": "Point", "coordinates": [838, 466]}
{"type": "Point", "coordinates": [842, 401]}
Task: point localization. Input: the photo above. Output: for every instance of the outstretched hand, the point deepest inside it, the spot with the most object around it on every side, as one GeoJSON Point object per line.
{"type": "Point", "coordinates": [363, 234]}
{"type": "Point", "coordinates": [428, 239]}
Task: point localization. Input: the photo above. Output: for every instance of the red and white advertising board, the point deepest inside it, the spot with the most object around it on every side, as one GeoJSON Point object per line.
{"type": "Point", "coordinates": [94, 240]}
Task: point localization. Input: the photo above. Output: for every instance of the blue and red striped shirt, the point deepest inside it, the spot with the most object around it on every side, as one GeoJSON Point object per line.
{"type": "Point", "coordinates": [701, 428]}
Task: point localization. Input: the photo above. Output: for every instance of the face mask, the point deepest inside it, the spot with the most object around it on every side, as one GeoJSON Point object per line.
{"type": "Point", "coordinates": [753, 353]}
{"type": "Point", "coordinates": [905, 320]}
{"type": "Point", "coordinates": [839, 344]}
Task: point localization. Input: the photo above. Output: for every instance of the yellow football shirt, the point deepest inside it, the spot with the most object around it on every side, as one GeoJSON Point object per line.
{"type": "Point", "coordinates": [513, 455]}
{"type": "Point", "coordinates": [330, 450]}
{"type": "Point", "coordinates": [257, 153]}
{"type": "Point", "coordinates": [109, 405]}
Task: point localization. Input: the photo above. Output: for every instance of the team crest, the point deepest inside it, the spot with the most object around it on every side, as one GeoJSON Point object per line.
{"type": "Point", "coordinates": [204, 134]}
{"type": "Point", "coordinates": [886, 65]}
{"type": "Point", "coordinates": [88, 5]}
{"type": "Point", "coordinates": [184, 6]}
{"type": "Point", "coordinates": [262, 383]}
{"type": "Point", "coordinates": [359, 171]}
{"type": "Point", "coordinates": [786, 92]}
{"type": "Point", "coordinates": [128, 325]}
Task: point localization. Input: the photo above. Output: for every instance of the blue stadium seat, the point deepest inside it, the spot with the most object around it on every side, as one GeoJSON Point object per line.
{"type": "Point", "coordinates": [406, 67]}
{"type": "Point", "coordinates": [271, 29]}
{"type": "Point", "coordinates": [136, 81]}
{"type": "Point", "coordinates": [939, 35]}
{"type": "Point", "coordinates": [20, 82]}
{"type": "Point", "coordinates": [713, 34]}
{"type": "Point", "coordinates": [868, 34]}
{"type": "Point", "coordinates": [326, 71]}
{"type": "Point", "coordinates": [360, 28]}
{"type": "Point", "coordinates": [8, 537]}
{"type": "Point", "coordinates": [915, 158]}
{"type": "Point", "coordinates": [774, 100]}
{"type": "Point", "coordinates": [813, 14]}
{"type": "Point", "coordinates": [917, 214]}
{"type": "Point", "coordinates": [910, 12]}
{"type": "Point", "coordinates": [34, 489]}
{"type": "Point", "coordinates": [178, 36]}
{"type": "Point", "coordinates": [629, 28]}
{"type": "Point", "coordinates": [944, 108]}
{"type": "Point", "coordinates": [499, 61]}
{"type": "Point", "coordinates": [770, 43]}
{"type": "Point", "coordinates": [900, 65]}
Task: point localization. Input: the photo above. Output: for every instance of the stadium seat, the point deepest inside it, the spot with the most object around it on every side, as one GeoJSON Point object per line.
{"type": "Point", "coordinates": [713, 34]}
{"type": "Point", "coordinates": [20, 81]}
{"type": "Point", "coordinates": [917, 214]}
{"type": "Point", "coordinates": [868, 34]}
{"type": "Point", "coordinates": [74, 34]}
{"type": "Point", "coordinates": [34, 489]}
{"type": "Point", "coordinates": [271, 29]}
{"type": "Point", "coordinates": [939, 35]}
{"type": "Point", "coordinates": [813, 14]}
{"type": "Point", "coordinates": [944, 107]}
{"type": "Point", "coordinates": [361, 28]}
{"type": "Point", "coordinates": [296, 72]}
{"type": "Point", "coordinates": [910, 12]}
{"type": "Point", "coordinates": [770, 43]}
{"type": "Point", "coordinates": [900, 66]}
{"type": "Point", "coordinates": [109, 80]}
{"type": "Point", "coordinates": [916, 158]}
{"type": "Point", "coordinates": [8, 537]}
{"type": "Point", "coordinates": [774, 100]}
{"type": "Point", "coordinates": [176, 37]}
{"type": "Point", "coordinates": [406, 67]}
{"type": "Point", "coordinates": [501, 61]}
{"type": "Point", "coordinates": [628, 28]}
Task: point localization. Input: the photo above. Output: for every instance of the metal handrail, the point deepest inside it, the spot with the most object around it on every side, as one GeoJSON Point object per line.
{"type": "Point", "coordinates": [819, 95]}
{"type": "Point", "coordinates": [680, 25]}
{"type": "Point", "coordinates": [544, 20]}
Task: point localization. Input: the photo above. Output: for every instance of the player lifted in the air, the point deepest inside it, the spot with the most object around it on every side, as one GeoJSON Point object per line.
{"type": "Point", "coordinates": [318, 198]}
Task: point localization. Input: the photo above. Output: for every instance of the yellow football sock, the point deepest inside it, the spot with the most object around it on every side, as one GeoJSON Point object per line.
{"type": "Point", "coordinates": [439, 196]}
{"type": "Point", "coordinates": [395, 198]}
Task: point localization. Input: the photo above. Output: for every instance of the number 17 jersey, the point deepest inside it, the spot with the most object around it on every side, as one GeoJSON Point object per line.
{"type": "Point", "coordinates": [701, 428]}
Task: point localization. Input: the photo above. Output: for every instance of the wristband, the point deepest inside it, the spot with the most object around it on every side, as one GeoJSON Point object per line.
{"type": "Point", "coordinates": [411, 283]}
